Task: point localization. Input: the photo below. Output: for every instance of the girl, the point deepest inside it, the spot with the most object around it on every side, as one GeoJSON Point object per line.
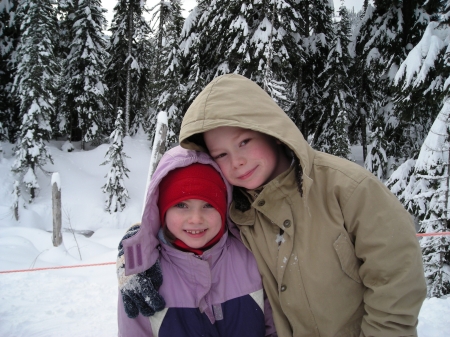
{"type": "Point", "coordinates": [211, 286]}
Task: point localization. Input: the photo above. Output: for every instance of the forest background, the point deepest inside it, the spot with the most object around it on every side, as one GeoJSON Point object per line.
{"type": "Point", "coordinates": [378, 78]}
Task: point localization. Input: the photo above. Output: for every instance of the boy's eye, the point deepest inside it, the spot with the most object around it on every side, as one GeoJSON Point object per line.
{"type": "Point", "coordinates": [219, 156]}
{"type": "Point", "coordinates": [244, 142]}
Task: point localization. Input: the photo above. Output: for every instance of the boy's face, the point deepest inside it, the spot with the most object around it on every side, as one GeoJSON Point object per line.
{"type": "Point", "coordinates": [193, 221]}
{"type": "Point", "coordinates": [247, 158]}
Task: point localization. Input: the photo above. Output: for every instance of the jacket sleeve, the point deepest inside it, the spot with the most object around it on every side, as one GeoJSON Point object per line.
{"type": "Point", "coordinates": [132, 327]}
{"type": "Point", "coordinates": [270, 326]}
{"type": "Point", "coordinates": [392, 270]}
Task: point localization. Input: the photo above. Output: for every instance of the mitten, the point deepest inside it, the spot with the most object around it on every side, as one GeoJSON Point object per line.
{"type": "Point", "coordinates": [139, 291]}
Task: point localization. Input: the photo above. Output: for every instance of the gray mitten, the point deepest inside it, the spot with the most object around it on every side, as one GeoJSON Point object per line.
{"type": "Point", "coordinates": [139, 291]}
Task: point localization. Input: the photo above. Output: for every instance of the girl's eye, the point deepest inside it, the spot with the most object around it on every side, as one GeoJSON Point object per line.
{"type": "Point", "coordinates": [208, 206]}
{"type": "Point", "coordinates": [180, 205]}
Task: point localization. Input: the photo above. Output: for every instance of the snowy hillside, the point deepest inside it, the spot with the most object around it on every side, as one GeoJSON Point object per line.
{"type": "Point", "coordinates": [83, 301]}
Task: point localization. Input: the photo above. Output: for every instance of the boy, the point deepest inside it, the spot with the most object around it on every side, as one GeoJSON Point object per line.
{"type": "Point", "coordinates": [336, 250]}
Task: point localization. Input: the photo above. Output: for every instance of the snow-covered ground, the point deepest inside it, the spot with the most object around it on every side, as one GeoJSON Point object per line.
{"type": "Point", "coordinates": [82, 301]}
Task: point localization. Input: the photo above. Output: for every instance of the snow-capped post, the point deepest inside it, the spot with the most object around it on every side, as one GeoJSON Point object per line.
{"type": "Point", "coordinates": [56, 207]}
{"type": "Point", "coordinates": [159, 146]}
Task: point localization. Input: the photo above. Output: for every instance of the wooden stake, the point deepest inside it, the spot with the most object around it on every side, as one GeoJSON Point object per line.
{"type": "Point", "coordinates": [56, 207]}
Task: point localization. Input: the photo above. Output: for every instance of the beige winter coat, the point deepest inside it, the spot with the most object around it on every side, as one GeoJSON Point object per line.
{"type": "Point", "coordinates": [342, 260]}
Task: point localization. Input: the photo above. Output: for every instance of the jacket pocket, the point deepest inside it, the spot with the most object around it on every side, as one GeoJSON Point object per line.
{"type": "Point", "coordinates": [349, 262]}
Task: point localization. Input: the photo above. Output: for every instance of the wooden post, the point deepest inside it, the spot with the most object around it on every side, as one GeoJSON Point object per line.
{"type": "Point", "coordinates": [158, 149]}
{"type": "Point", "coordinates": [16, 194]}
{"type": "Point", "coordinates": [56, 207]}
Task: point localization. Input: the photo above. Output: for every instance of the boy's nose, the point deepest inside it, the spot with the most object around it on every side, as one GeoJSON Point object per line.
{"type": "Point", "coordinates": [238, 161]}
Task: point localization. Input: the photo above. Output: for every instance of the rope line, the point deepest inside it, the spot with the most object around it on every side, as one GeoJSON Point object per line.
{"type": "Point", "coordinates": [110, 263]}
{"type": "Point", "coordinates": [59, 267]}
{"type": "Point", "coordinates": [433, 234]}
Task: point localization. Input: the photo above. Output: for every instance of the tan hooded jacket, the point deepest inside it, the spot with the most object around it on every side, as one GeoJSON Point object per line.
{"type": "Point", "coordinates": [341, 260]}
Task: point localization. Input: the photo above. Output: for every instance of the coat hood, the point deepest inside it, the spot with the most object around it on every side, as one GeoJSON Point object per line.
{"type": "Point", "coordinates": [234, 100]}
{"type": "Point", "coordinates": [140, 250]}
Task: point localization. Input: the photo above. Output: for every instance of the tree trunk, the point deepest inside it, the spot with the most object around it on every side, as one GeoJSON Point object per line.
{"type": "Point", "coordinates": [363, 134]}
{"type": "Point", "coordinates": [305, 123]}
{"type": "Point", "coordinates": [128, 88]}
{"type": "Point", "coordinates": [162, 19]}
{"type": "Point", "coordinates": [298, 115]}
{"type": "Point", "coordinates": [269, 60]}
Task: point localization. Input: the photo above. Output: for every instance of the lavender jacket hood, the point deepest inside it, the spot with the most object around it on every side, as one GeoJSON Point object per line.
{"type": "Point", "coordinates": [140, 252]}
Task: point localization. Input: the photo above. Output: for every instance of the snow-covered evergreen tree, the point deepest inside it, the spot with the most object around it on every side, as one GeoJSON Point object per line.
{"type": "Point", "coordinates": [128, 68]}
{"type": "Point", "coordinates": [9, 37]}
{"type": "Point", "coordinates": [116, 192]}
{"type": "Point", "coordinates": [60, 125]}
{"type": "Point", "coordinates": [191, 50]}
{"type": "Point", "coordinates": [259, 40]}
{"type": "Point", "coordinates": [316, 41]}
{"type": "Point", "coordinates": [34, 87]}
{"type": "Point", "coordinates": [363, 84]}
{"type": "Point", "coordinates": [427, 62]}
{"type": "Point", "coordinates": [425, 192]}
{"type": "Point", "coordinates": [429, 202]}
{"type": "Point", "coordinates": [170, 68]}
{"type": "Point", "coordinates": [376, 161]}
{"type": "Point", "coordinates": [331, 134]}
{"type": "Point", "coordinates": [388, 32]}
{"type": "Point", "coordinates": [415, 106]}
{"type": "Point", "coordinates": [84, 68]}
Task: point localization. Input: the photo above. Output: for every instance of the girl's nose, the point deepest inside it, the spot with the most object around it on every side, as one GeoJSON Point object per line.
{"type": "Point", "coordinates": [196, 217]}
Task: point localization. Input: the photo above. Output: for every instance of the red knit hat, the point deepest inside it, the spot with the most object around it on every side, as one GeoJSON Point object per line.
{"type": "Point", "coordinates": [196, 181]}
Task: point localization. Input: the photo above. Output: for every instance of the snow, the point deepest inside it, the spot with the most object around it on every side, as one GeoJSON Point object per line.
{"type": "Point", "coordinates": [422, 57]}
{"type": "Point", "coordinates": [56, 180]}
{"type": "Point", "coordinates": [82, 301]}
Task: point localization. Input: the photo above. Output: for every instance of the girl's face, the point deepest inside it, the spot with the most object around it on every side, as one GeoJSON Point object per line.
{"type": "Point", "coordinates": [247, 158]}
{"type": "Point", "coordinates": [193, 221]}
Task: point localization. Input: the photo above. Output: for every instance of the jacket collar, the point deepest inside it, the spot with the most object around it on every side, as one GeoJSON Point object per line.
{"type": "Point", "coordinates": [273, 193]}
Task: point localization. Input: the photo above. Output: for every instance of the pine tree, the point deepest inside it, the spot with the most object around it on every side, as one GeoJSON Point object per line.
{"type": "Point", "coordinates": [9, 37]}
{"type": "Point", "coordinates": [169, 64]}
{"type": "Point", "coordinates": [362, 80]}
{"type": "Point", "coordinates": [429, 203]}
{"type": "Point", "coordinates": [62, 124]}
{"type": "Point", "coordinates": [316, 41]}
{"type": "Point", "coordinates": [426, 191]}
{"type": "Point", "coordinates": [376, 161]}
{"type": "Point", "coordinates": [128, 70]}
{"type": "Point", "coordinates": [117, 194]}
{"type": "Point", "coordinates": [387, 35]}
{"type": "Point", "coordinates": [331, 134]}
{"type": "Point", "coordinates": [426, 63]}
{"type": "Point", "coordinates": [84, 87]}
{"type": "Point", "coordinates": [259, 40]}
{"type": "Point", "coordinates": [34, 87]}
{"type": "Point", "coordinates": [191, 53]}
{"type": "Point", "coordinates": [415, 102]}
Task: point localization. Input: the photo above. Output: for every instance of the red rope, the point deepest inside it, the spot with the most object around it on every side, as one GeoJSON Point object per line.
{"type": "Point", "coordinates": [433, 234]}
{"type": "Point", "coordinates": [60, 267]}
{"type": "Point", "coordinates": [109, 263]}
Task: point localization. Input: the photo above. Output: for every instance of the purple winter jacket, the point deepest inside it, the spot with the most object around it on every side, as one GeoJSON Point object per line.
{"type": "Point", "coordinates": [217, 294]}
